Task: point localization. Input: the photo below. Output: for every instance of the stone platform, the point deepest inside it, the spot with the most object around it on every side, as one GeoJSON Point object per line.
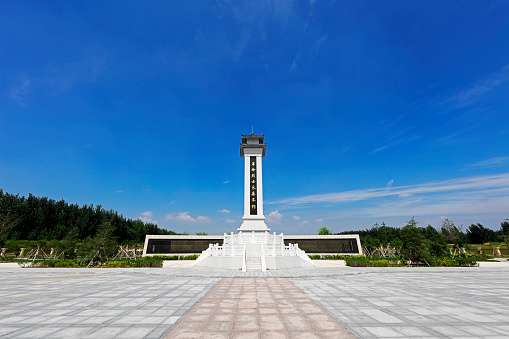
{"type": "Point", "coordinates": [151, 302]}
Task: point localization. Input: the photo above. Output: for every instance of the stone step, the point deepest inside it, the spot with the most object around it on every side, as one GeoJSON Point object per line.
{"type": "Point", "coordinates": [253, 264]}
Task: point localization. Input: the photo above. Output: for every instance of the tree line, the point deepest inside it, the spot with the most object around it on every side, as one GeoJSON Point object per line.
{"type": "Point", "coordinates": [40, 218]}
{"type": "Point", "coordinates": [420, 242]}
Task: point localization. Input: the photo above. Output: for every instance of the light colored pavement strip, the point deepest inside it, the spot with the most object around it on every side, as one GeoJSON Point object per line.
{"type": "Point", "coordinates": [258, 308]}
{"type": "Point", "coordinates": [94, 303]}
{"type": "Point", "coordinates": [417, 302]}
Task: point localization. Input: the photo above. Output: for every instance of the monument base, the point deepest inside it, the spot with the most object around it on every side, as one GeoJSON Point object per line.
{"type": "Point", "coordinates": [271, 263]}
{"type": "Point", "coordinates": [253, 224]}
{"type": "Point", "coordinates": [253, 251]}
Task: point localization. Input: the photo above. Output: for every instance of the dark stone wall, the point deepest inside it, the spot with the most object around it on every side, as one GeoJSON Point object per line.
{"type": "Point", "coordinates": [179, 246]}
{"type": "Point", "coordinates": [348, 245]}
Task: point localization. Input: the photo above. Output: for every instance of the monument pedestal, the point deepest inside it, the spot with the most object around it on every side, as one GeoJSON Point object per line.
{"type": "Point", "coordinates": [253, 224]}
{"type": "Point", "coordinates": [266, 250]}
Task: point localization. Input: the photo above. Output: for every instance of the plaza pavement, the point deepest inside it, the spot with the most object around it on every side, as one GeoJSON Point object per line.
{"type": "Point", "coordinates": [153, 303]}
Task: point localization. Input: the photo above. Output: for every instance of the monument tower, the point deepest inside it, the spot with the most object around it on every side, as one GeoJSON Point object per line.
{"type": "Point", "coordinates": [252, 149]}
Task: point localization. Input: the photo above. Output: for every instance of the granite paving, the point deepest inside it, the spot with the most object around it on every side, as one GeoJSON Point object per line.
{"type": "Point", "coordinates": [151, 302]}
{"type": "Point", "coordinates": [416, 302]}
{"type": "Point", "coordinates": [95, 303]}
{"type": "Point", "coordinates": [258, 308]}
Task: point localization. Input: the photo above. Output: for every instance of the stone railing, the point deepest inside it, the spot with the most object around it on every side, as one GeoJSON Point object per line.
{"type": "Point", "coordinates": [253, 238]}
{"type": "Point", "coordinates": [234, 245]}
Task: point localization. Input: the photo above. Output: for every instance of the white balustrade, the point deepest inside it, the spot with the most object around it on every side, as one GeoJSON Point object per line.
{"type": "Point", "coordinates": [234, 245]}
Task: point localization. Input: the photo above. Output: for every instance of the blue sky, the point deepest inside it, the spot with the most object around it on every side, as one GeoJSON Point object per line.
{"type": "Point", "coordinates": [373, 111]}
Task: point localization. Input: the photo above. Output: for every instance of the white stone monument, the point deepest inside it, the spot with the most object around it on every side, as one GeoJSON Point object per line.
{"type": "Point", "coordinates": [253, 248]}
{"type": "Point", "coordinates": [252, 149]}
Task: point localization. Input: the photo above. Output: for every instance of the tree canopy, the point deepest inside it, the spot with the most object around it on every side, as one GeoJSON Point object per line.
{"type": "Point", "coordinates": [35, 218]}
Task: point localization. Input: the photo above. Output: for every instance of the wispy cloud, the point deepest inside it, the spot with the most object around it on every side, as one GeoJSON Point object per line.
{"type": "Point", "coordinates": [119, 191]}
{"type": "Point", "coordinates": [319, 220]}
{"type": "Point", "coordinates": [203, 219]}
{"type": "Point", "coordinates": [19, 92]}
{"type": "Point", "coordinates": [492, 162]}
{"type": "Point", "coordinates": [296, 217]}
{"type": "Point", "coordinates": [493, 185]}
{"type": "Point", "coordinates": [225, 182]}
{"type": "Point", "coordinates": [486, 202]}
{"type": "Point", "coordinates": [230, 221]}
{"type": "Point", "coordinates": [224, 210]}
{"type": "Point", "coordinates": [186, 217]}
{"type": "Point", "coordinates": [482, 86]}
{"type": "Point", "coordinates": [147, 216]}
{"type": "Point", "coordinates": [405, 139]}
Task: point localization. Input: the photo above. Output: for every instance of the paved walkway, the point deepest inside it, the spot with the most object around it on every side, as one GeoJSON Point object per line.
{"type": "Point", "coordinates": [149, 303]}
{"type": "Point", "coordinates": [258, 308]}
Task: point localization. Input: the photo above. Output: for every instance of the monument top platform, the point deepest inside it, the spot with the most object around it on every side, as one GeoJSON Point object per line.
{"type": "Point", "coordinates": [252, 141]}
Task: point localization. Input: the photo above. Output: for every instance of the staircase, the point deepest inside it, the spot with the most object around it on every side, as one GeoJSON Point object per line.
{"type": "Point", "coordinates": [253, 264]}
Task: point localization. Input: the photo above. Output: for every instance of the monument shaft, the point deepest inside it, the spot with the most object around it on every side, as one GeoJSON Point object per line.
{"type": "Point", "coordinates": [252, 149]}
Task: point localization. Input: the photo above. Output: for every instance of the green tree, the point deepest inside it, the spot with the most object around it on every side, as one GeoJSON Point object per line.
{"type": "Point", "coordinates": [415, 245]}
{"type": "Point", "coordinates": [102, 246]}
{"type": "Point", "coordinates": [452, 234]}
{"type": "Point", "coordinates": [504, 232]}
{"type": "Point", "coordinates": [67, 246]}
{"type": "Point", "coordinates": [397, 244]}
{"type": "Point", "coordinates": [436, 242]}
{"type": "Point", "coordinates": [324, 231]}
{"type": "Point", "coordinates": [8, 221]}
{"type": "Point", "coordinates": [478, 234]}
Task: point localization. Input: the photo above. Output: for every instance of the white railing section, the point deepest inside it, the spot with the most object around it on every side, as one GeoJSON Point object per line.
{"type": "Point", "coordinates": [244, 260]}
{"type": "Point", "coordinates": [203, 255]}
{"type": "Point", "coordinates": [253, 238]}
{"type": "Point", "coordinates": [264, 265]}
{"type": "Point", "coordinates": [234, 245]}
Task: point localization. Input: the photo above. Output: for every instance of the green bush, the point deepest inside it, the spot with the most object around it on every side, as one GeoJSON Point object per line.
{"type": "Point", "coordinates": [143, 262]}
{"type": "Point", "coordinates": [175, 257]}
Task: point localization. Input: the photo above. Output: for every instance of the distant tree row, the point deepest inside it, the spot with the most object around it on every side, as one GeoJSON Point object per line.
{"type": "Point", "coordinates": [382, 235]}
{"type": "Point", "coordinates": [35, 218]}
{"type": "Point", "coordinates": [425, 244]}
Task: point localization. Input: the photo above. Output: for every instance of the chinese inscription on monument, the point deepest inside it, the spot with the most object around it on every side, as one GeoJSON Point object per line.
{"type": "Point", "coordinates": [253, 186]}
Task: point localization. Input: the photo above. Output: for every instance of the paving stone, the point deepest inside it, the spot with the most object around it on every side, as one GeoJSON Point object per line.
{"type": "Point", "coordinates": [370, 302]}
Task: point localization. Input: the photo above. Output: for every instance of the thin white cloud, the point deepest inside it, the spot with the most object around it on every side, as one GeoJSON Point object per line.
{"type": "Point", "coordinates": [389, 185]}
{"type": "Point", "coordinates": [203, 219]}
{"type": "Point", "coordinates": [119, 191]}
{"type": "Point", "coordinates": [224, 210]}
{"type": "Point", "coordinates": [469, 185]}
{"type": "Point", "coordinates": [452, 204]}
{"type": "Point", "coordinates": [147, 216]}
{"type": "Point", "coordinates": [492, 162]}
{"type": "Point", "coordinates": [225, 182]}
{"type": "Point", "coordinates": [230, 221]}
{"type": "Point", "coordinates": [274, 217]}
{"type": "Point", "coordinates": [483, 85]}
{"type": "Point", "coordinates": [185, 217]}
{"type": "Point", "coordinates": [398, 141]}
{"type": "Point", "coordinates": [319, 220]}
{"type": "Point", "coordinates": [305, 221]}
{"type": "Point", "coordinates": [296, 217]}
{"type": "Point", "coordinates": [19, 93]}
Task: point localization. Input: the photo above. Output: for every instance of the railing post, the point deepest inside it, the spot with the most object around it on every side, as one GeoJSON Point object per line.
{"type": "Point", "coordinates": [244, 268]}
{"type": "Point", "coordinates": [264, 265]}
